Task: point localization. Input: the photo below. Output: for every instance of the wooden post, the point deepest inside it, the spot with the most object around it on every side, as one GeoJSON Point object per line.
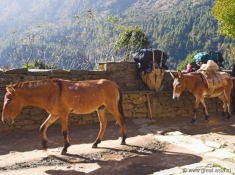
{"type": "Point", "coordinates": [147, 93]}
{"type": "Point", "coordinates": [149, 105]}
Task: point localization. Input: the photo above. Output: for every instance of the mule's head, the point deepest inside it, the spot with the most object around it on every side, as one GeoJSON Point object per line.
{"type": "Point", "coordinates": [11, 107]}
{"type": "Point", "coordinates": [179, 84]}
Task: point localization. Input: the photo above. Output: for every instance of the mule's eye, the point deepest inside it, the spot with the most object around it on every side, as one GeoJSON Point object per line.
{"type": "Point", "coordinates": [179, 84]}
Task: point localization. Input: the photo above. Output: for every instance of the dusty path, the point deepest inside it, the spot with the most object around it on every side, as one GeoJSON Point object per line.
{"type": "Point", "coordinates": [153, 146]}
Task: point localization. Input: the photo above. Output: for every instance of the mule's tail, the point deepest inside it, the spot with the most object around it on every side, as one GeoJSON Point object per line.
{"type": "Point", "coordinates": [120, 105]}
{"type": "Point", "coordinates": [232, 102]}
{"type": "Point", "coordinates": [233, 88]}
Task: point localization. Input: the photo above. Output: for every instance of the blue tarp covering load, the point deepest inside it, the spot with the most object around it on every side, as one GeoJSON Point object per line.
{"type": "Point", "coordinates": [203, 57]}
{"type": "Point", "coordinates": [145, 57]}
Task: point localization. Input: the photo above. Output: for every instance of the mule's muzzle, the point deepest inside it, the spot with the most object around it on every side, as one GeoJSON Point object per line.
{"type": "Point", "coordinates": [175, 98]}
{"type": "Point", "coordinates": [7, 120]}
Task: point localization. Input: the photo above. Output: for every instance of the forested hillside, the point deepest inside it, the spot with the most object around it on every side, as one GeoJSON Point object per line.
{"type": "Point", "coordinates": [181, 27]}
{"type": "Point", "coordinates": [65, 34]}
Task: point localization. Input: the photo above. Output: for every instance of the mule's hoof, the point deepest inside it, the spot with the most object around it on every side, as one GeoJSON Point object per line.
{"type": "Point", "coordinates": [123, 143]}
{"type": "Point", "coordinates": [94, 146]}
{"type": "Point", "coordinates": [63, 152]}
{"type": "Point", "coordinates": [44, 144]}
{"type": "Point", "coordinates": [207, 120]}
{"type": "Point", "coordinates": [190, 123]}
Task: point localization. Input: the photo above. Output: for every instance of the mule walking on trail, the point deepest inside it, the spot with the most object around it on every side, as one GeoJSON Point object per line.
{"type": "Point", "coordinates": [196, 84]}
{"type": "Point", "coordinates": [61, 97]}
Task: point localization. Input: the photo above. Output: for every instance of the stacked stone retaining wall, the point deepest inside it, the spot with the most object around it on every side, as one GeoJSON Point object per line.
{"type": "Point", "coordinates": [124, 74]}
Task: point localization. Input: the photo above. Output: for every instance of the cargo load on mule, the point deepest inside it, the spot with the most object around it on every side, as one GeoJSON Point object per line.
{"type": "Point", "coordinates": [213, 76]}
{"type": "Point", "coordinates": [207, 82]}
{"type": "Point", "coordinates": [151, 66]}
{"type": "Point", "coordinates": [203, 57]}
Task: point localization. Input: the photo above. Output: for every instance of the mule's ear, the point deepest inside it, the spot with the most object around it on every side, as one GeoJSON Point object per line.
{"type": "Point", "coordinates": [10, 89]}
{"type": "Point", "coordinates": [179, 74]}
{"type": "Point", "coordinates": [173, 76]}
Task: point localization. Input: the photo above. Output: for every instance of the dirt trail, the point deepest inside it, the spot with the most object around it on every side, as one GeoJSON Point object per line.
{"type": "Point", "coordinates": [21, 151]}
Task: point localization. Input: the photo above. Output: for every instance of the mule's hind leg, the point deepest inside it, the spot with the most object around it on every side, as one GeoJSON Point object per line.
{"type": "Point", "coordinates": [226, 105]}
{"type": "Point", "coordinates": [51, 119]}
{"type": "Point", "coordinates": [224, 110]}
{"type": "Point", "coordinates": [232, 104]}
{"type": "Point", "coordinates": [64, 127]}
{"type": "Point", "coordinates": [229, 111]}
{"type": "Point", "coordinates": [103, 125]}
{"type": "Point", "coordinates": [121, 121]}
{"type": "Point", "coordinates": [205, 109]}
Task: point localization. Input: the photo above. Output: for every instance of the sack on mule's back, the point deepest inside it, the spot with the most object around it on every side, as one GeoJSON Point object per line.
{"type": "Point", "coordinates": [215, 79]}
{"type": "Point", "coordinates": [211, 65]}
{"type": "Point", "coordinates": [210, 69]}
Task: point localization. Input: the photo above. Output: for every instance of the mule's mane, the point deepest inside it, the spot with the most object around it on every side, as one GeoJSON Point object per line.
{"type": "Point", "coordinates": [38, 83]}
{"type": "Point", "coordinates": [35, 83]}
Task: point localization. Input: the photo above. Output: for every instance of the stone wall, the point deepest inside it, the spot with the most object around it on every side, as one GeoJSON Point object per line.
{"type": "Point", "coordinates": [124, 74]}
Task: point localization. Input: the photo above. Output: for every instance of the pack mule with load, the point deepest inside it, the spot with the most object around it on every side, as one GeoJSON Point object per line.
{"type": "Point", "coordinates": [208, 83]}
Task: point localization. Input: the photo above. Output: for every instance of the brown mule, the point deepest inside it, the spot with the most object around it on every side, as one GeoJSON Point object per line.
{"type": "Point", "coordinates": [194, 82]}
{"type": "Point", "coordinates": [60, 97]}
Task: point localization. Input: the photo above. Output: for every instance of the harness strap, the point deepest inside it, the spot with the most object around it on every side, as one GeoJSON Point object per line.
{"type": "Point", "coordinates": [200, 82]}
{"type": "Point", "coordinates": [210, 90]}
{"type": "Point", "coordinates": [153, 59]}
{"type": "Point", "coordinates": [203, 80]}
{"type": "Point", "coordinates": [161, 59]}
{"type": "Point", "coordinates": [213, 57]}
{"type": "Point", "coordinates": [155, 77]}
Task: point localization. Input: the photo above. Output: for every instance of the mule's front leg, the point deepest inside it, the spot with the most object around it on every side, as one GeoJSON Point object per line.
{"type": "Point", "coordinates": [64, 125]}
{"type": "Point", "coordinates": [194, 116]}
{"type": "Point", "coordinates": [205, 109]}
{"type": "Point", "coordinates": [195, 110]}
{"type": "Point", "coordinates": [223, 114]}
{"type": "Point", "coordinates": [51, 119]}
